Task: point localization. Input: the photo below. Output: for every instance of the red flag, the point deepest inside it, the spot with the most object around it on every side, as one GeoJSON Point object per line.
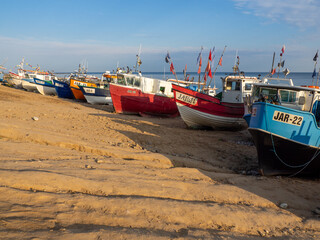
{"type": "Point", "coordinates": [209, 70]}
{"type": "Point", "coordinates": [200, 63]}
{"type": "Point", "coordinates": [282, 49]}
{"type": "Point", "coordinates": [273, 71]}
{"type": "Point", "coordinates": [205, 76]}
{"type": "Point", "coordinates": [210, 56]}
{"type": "Point", "coordinates": [172, 68]}
{"type": "Point", "coordinates": [220, 62]}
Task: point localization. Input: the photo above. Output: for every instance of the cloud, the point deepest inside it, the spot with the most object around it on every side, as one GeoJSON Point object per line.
{"type": "Point", "coordinates": [299, 13]}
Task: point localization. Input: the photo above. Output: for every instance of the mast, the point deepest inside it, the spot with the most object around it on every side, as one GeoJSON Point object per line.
{"type": "Point", "coordinates": [318, 77]}
{"type": "Point", "coordinates": [274, 54]}
{"type": "Point", "coordinates": [200, 64]}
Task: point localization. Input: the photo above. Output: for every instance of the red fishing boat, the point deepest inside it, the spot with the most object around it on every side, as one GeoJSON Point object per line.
{"type": "Point", "coordinates": [225, 110]}
{"type": "Point", "coordinates": [134, 94]}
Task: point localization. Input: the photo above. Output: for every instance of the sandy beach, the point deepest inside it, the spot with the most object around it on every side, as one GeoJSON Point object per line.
{"type": "Point", "coordinates": [71, 170]}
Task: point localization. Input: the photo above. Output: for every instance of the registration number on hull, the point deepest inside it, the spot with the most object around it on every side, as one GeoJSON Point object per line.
{"type": "Point", "coordinates": [287, 118]}
{"type": "Point", "coordinates": [186, 98]}
{"type": "Point", "coordinates": [89, 90]}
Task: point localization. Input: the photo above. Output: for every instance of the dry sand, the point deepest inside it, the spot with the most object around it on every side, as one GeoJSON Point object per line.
{"type": "Point", "coordinates": [84, 172]}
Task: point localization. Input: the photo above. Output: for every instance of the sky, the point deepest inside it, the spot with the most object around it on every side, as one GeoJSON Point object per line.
{"type": "Point", "coordinates": [60, 34]}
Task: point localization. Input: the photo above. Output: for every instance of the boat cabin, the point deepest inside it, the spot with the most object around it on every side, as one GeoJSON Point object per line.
{"type": "Point", "coordinates": [146, 85]}
{"type": "Point", "coordinates": [236, 88]}
{"type": "Point", "coordinates": [109, 77]}
{"type": "Point", "coordinates": [294, 97]}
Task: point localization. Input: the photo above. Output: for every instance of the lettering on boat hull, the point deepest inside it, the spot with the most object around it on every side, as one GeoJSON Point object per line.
{"type": "Point", "coordinates": [186, 98]}
{"type": "Point", "coordinates": [287, 118]}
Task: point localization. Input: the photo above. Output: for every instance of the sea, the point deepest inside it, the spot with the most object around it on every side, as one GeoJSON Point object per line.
{"type": "Point", "coordinates": [298, 78]}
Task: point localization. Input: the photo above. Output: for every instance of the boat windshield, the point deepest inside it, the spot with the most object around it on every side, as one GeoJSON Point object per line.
{"type": "Point", "coordinates": [288, 96]}
{"type": "Point", "coordinates": [121, 80]}
{"type": "Point", "coordinates": [297, 99]}
{"type": "Point", "coordinates": [233, 85]}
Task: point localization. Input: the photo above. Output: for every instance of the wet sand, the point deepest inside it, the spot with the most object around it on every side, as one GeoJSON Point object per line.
{"type": "Point", "coordinates": [84, 172]}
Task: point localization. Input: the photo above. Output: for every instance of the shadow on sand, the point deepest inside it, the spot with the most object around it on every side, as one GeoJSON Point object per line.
{"type": "Point", "coordinates": [226, 157]}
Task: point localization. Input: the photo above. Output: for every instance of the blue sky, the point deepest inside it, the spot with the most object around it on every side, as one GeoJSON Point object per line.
{"type": "Point", "coordinates": [59, 34]}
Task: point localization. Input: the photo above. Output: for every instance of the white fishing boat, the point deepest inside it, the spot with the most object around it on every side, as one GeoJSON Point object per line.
{"type": "Point", "coordinates": [45, 87]}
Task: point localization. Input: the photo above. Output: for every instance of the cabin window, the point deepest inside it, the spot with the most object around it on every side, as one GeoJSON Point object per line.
{"type": "Point", "coordinates": [108, 79]}
{"type": "Point", "coordinates": [121, 80]}
{"type": "Point", "coordinates": [234, 86]}
{"type": "Point", "coordinates": [130, 81]}
{"type": "Point", "coordinates": [162, 89]}
{"type": "Point", "coordinates": [267, 94]}
{"type": "Point", "coordinates": [288, 96]}
{"type": "Point", "coordinates": [248, 87]}
{"type": "Point", "coordinates": [137, 82]}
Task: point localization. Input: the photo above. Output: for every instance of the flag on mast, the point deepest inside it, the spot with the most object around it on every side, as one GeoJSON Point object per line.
{"type": "Point", "coordinates": [209, 70]}
{"type": "Point", "coordinates": [200, 63]}
{"type": "Point", "coordinates": [282, 50]}
{"type": "Point", "coordinates": [210, 56]}
{"type": "Point", "coordinates": [171, 68]}
{"type": "Point", "coordinates": [315, 58]}
{"type": "Point", "coordinates": [167, 57]}
{"type": "Point", "coordinates": [220, 61]}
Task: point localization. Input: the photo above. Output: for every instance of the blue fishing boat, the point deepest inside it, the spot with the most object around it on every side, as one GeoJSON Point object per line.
{"type": "Point", "coordinates": [63, 89]}
{"type": "Point", "coordinates": [284, 123]}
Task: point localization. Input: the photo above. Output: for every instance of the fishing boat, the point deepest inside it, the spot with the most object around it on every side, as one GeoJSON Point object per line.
{"type": "Point", "coordinates": [29, 84]}
{"type": "Point", "coordinates": [224, 110]}
{"type": "Point", "coordinates": [135, 94]}
{"type": "Point", "coordinates": [1, 72]}
{"type": "Point", "coordinates": [63, 89]}
{"type": "Point", "coordinates": [284, 125]}
{"type": "Point", "coordinates": [15, 80]}
{"type": "Point", "coordinates": [76, 91]}
{"type": "Point", "coordinates": [81, 78]}
{"type": "Point", "coordinates": [101, 93]}
{"type": "Point", "coordinates": [45, 87]}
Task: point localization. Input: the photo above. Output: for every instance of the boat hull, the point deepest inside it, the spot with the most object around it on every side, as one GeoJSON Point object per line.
{"type": "Point", "coordinates": [201, 120]}
{"type": "Point", "coordinates": [29, 86]}
{"type": "Point", "coordinates": [282, 156]}
{"type": "Point", "coordinates": [133, 101]}
{"type": "Point", "coordinates": [63, 89]}
{"type": "Point", "coordinates": [17, 83]}
{"type": "Point", "coordinates": [287, 140]}
{"type": "Point", "coordinates": [96, 95]}
{"type": "Point", "coordinates": [45, 88]}
{"type": "Point", "coordinates": [76, 91]}
{"type": "Point", "coordinates": [199, 110]}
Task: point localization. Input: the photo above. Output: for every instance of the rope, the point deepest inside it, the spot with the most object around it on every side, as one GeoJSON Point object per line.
{"type": "Point", "coordinates": [302, 166]}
